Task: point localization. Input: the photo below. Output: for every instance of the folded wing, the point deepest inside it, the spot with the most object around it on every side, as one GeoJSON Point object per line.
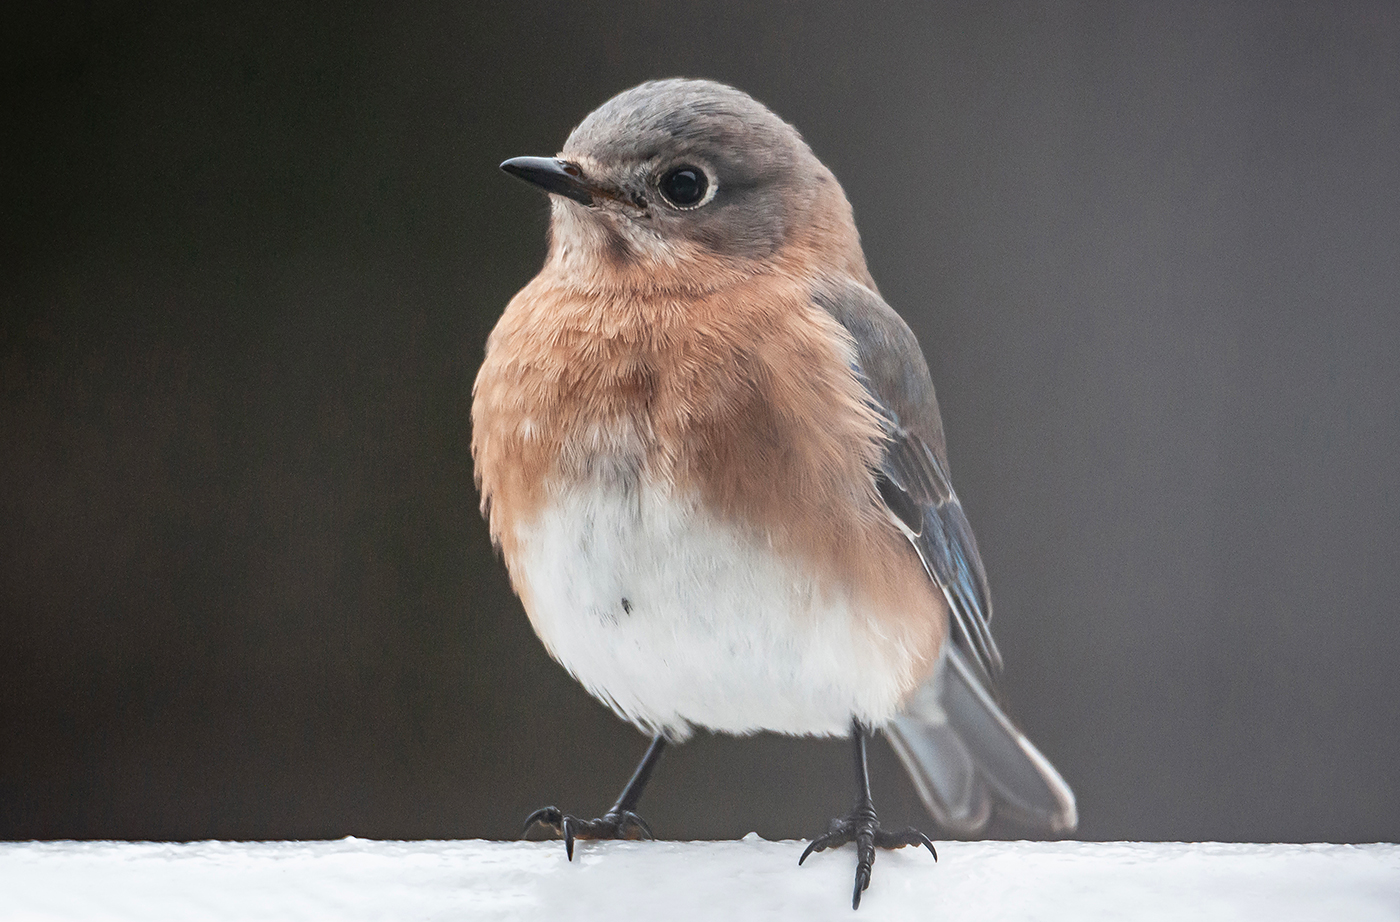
{"type": "Point", "coordinates": [962, 752]}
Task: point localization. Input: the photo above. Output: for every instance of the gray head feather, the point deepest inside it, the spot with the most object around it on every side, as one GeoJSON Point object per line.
{"type": "Point", "coordinates": [766, 180]}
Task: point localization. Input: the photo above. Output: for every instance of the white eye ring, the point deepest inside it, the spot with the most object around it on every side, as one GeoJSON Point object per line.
{"type": "Point", "coordinates": [675, 197]}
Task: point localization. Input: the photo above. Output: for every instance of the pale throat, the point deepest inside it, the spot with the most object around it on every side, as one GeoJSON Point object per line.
{"type": "Point", "coordinates": [592, 241]}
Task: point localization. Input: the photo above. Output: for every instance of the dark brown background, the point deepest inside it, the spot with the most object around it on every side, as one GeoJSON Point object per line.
{"type": "Point", "coordinates": [250, 256]}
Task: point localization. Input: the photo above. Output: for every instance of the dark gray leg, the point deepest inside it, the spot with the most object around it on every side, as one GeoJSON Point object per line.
{"type": "Point", "coordinates": [862, 826]}
{"type": "Point", "coordinates": [621, 820]}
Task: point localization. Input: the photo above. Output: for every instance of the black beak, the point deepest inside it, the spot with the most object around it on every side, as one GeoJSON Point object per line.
{"type": "Point", "coordinates": [552, 175]}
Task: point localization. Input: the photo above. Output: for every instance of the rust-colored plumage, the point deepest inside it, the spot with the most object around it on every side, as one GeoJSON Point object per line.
{"type": "Point", "coordinates": [714, 392]}
{"type": "Point", "coordinates": [712, 459]}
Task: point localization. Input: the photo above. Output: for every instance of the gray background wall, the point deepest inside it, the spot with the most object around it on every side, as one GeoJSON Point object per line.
{"type": "Point", "coordinates": [249, 255]}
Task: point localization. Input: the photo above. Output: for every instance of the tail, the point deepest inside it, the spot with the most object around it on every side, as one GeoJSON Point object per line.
{"type": "Point", "coordinates": [962, 752]}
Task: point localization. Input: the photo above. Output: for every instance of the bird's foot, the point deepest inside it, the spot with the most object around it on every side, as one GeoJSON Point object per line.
{"type": "Point", "coordinates": [862, 827]}
{"type": "Point", "coordinates": [615, 824]}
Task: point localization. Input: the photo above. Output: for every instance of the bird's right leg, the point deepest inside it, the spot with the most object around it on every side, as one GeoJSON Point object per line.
{"type": "Point", "coordinates": [862, 826]}
{"type": "Point", "coordinates": [621, 820]}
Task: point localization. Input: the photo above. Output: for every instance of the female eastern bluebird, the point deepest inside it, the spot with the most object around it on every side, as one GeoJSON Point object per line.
{"type": "Point", "coordinates": [712, 459]}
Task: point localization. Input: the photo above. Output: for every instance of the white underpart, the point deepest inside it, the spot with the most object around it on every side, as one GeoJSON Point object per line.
{"type": "Point", "coordinates": [721, 633]}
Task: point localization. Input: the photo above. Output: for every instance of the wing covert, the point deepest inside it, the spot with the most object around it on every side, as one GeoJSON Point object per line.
{"type": "Point", "coordinates": [913, 478]}
{"type": "Point", "coordinates": [946, 546]}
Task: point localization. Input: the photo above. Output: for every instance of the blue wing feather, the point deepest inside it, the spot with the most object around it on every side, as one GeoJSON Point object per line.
{"type": "Point", "coordinates": [953, 737]}
{"type": "Point", "coordinates": [913, 477]}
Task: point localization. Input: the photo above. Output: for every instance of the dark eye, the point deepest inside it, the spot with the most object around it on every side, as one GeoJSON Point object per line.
{"type": "Point", "coordinates": [684, 186]}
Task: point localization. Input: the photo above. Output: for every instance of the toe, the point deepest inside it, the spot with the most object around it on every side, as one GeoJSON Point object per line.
{"type": "Point", "coordinates": [909, 836]}
{"type": "Point", "coordinates": [821, 844]}
{"type": "Point", "coordinates": [545, 816]}
{"type": "Point", "coordinates": [568, 824]}
{"type": "Point", "coordinates": [633, 826]}
{"type": "Point", "coordinates": [862, 883]}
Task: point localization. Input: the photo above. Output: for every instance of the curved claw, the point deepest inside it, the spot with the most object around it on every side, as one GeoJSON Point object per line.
{"type": "Point", "coordinates": [906, 836]}
{"type": "Point", "coordinates": [628, 818]}
{"type": "Point", "coordinates": [819, 844]}
{"type": "Point", "coordinates": [862, 828]}
{"type": "Point", "coordinates": [615, 824]}
{"type": "Point", "coordinates": [569, 837]}
{"type": "Point", "coordinates": [862, 883]}
{"type": "Point", "coordinates": [545, 816]}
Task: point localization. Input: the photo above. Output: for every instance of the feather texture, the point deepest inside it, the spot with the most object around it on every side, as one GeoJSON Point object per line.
{"type": "Point", "coordinates": [957, 744]}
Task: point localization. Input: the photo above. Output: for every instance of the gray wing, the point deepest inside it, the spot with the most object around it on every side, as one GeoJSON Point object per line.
{"type": "Point", "coordinates": [913, 478]}
{"type": "Point", "coordinates": [914, 485]}
{"type": "Point", "coordinates": [957, 744]}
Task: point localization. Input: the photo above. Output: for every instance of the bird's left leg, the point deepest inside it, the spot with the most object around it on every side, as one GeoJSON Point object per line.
{"type": "Point", "coordinates": [620, 822]}
{"type": "Point", "coordinates": [862, 827]}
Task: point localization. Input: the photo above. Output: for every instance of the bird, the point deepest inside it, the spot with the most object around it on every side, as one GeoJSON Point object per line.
{"type": "Point", "coordinates": [711, 457]}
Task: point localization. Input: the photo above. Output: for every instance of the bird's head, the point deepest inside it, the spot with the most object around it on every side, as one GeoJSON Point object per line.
{"type": "Point", "coordinates": [690, 184]}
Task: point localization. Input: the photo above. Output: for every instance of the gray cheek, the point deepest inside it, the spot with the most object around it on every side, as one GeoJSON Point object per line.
{"type": "Point", "coordinates": [754, 229]}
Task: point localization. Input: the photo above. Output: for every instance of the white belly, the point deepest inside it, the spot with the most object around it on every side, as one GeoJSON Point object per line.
{"type": "Point", "coordinates": [676, 620]}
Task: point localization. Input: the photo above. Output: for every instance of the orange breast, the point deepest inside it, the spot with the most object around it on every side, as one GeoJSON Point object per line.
{"type": "Point", "coordinates": [743, 396]}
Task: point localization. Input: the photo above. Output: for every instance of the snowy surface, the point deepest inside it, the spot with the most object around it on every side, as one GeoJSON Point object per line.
{"type": "Point", "coordinates": [750, 879]}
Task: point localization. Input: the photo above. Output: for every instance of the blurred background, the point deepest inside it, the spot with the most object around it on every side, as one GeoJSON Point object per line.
{"type": "Point", "coordinates": [249, 255]}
